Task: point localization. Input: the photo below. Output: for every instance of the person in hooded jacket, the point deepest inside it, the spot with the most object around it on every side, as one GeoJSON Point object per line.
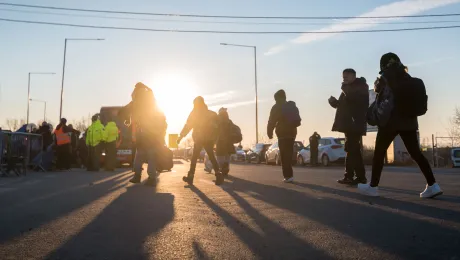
{"type": "Point", "coordinates": [350, 119]}
{"type": "Point", "coordinates": [396, 77]}
{"type": "Point", "coordinates": [286, 133]}
{"type": "Point", "coordinates": [224, 145]}
{"type": "Point", "coordinates": [63, 148]}
{"type": "Point", "coordinates": [94, 139]}
{"type": "Point", "coordinates": [150, 130]}
{"type": "Point", "coordinates": [110, 139]}
{"type": "Point", "coordinates": [204, 123]}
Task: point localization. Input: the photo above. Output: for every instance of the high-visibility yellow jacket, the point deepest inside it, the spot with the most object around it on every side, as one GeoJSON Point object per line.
{"type": "Point", "coordinates": [95, 134]}
{"type": "Point", "coordinates": [111, 132]}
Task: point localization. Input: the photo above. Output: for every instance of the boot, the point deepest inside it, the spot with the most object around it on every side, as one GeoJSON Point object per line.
{"type": "Point", "coordinates": [189, 178]}
{"type": "Point", "coordinates": [151, 182]}
{"type": "Point", "coordinates": [136, 178]}
{"type": "Point", "coordinates": [219, 179]}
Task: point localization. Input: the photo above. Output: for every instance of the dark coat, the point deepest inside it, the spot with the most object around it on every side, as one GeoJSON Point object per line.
{"type": "Point", "coordinates": [352, 105]}
{"type": "Point", "coordinates": [45, 132]}
{"type": "Point", "coordinates": [204, 123]}
{"type": "Point", "coordinates": [277, 122]}
{"type": "Point", "coordinates": [314, 141]}
{"type": "Point", "coordinates": [224, 144]}
{"type": "Point", "coordinates": [397, 80]}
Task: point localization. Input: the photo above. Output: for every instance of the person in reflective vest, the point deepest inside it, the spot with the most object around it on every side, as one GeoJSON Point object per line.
{"type": "Point", "coordinates": [110, 138]}
{"type": "Point", "coordinates": [62, 137]}
{"type": "Point", "coordinates": [94, 139]}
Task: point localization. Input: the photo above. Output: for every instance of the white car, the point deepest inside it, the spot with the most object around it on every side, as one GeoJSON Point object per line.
{"type": "Point", "coordinates": [330, 150]}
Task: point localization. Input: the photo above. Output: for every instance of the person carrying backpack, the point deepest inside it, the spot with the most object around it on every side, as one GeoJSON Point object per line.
{"type": "Point", "coordinates": [285, 118]}
{"type": "Point", "coordinates": [350, 119]}
{"type": "Point", "coordinates": [229, 134]}
{"type": "Point", "coordinates": [410, 101]}
{"type": "Point", "coordinates": [204, 123]}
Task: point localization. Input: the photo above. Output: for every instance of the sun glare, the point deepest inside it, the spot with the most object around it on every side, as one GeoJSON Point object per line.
{"type": "Point", "coordinates": [174, 92]}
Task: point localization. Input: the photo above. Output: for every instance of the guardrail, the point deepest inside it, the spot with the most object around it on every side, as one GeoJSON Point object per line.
{"type": "Point", "coordinates": [18, 151]}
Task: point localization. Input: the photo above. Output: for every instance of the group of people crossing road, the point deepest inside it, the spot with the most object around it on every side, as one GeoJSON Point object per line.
{"type": "Point", "coordinates": [401, 99]}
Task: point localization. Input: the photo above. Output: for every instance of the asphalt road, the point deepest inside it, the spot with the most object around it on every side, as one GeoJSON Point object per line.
{"type": "Point", "coordinates": [81, 215]}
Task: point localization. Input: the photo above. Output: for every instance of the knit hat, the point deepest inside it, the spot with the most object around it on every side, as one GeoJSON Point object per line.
{"type": "Point", "coordinates": [388, 60]}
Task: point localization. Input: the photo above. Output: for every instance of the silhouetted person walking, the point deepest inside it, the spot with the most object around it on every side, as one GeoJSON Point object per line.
{"type": "Point", "coordinates": [284, 119]}
{"type": "Point", "coordinates": [401, 99]}
{"type": "Point", "coordinates": [350, 119]}
{"type": "Point", "coordinates": [204, 123]}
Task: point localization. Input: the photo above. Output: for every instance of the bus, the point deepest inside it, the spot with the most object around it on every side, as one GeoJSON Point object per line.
{"type": "Point", "coordinates": [124, 143]}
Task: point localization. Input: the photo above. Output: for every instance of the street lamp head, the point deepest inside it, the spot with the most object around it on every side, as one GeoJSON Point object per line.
{"type": "Point", "coordinates": [223, 44]}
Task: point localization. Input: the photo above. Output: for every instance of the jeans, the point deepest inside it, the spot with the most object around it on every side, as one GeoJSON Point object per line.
{"type": "Point", "coordinates": [286, 146]}
{"type": "Point", "coordinates": [224, 163]}
{"type": "Point", "coordinates": [410, 139]}
{"type": "Point", "coordinates": [209, 148]}
{"type": "Point", "coordinates": [354, 161]}
{"type": "Point", "coordinates": [144, 155]}
{"type": "Point", "coordinates": [110, 156]}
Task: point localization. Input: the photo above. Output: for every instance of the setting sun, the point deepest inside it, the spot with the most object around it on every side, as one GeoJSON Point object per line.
{"type": "Point", "coordinates": [174, 91]}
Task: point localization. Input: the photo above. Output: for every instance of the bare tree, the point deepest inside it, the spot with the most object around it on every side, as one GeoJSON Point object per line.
{"type": "Point", "coordinates": [14, 124]}
{"type": "Point", "coordinates": [81, 125]}
{"type": "Point", "coordinates": [453, 129]}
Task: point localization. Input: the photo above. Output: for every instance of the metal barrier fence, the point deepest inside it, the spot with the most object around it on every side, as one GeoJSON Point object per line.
{"type": "Point", "coordinates": [18, 151]}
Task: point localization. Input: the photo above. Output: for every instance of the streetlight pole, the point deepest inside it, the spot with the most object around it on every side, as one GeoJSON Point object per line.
{"type": "Point", "coordinates": [28, 89]}
{"type": "Point", "coordinates": [63, 67]}
{"type": "Point", "coordinates": [255, 82]}
{"type": "Point", "coordinates": [44, 102]}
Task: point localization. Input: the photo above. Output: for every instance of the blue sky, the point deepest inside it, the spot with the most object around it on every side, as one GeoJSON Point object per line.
{"type": "Point", "coordinates": [179, 66]}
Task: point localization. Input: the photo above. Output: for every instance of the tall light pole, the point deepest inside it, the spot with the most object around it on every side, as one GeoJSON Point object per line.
{"type": "Point", "coordinates": [28, 89]}
{"type": "Point", "coordinates": [63, 66]}
{"type": "Point", "coordinates": [255, 82]}
{"type": "Point", "coordinates": [42, 101]}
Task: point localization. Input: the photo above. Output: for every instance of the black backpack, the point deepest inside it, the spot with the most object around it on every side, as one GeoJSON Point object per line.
{"type": "Point", "coordinates": [236, 136]}
{"type": "Point", "coordinates": [291, 113]}
{"type": "Point", "coordinates": [414, 100]}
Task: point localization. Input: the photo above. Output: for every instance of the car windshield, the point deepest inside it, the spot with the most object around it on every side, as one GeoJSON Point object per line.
{"type": "Point", "coordinates": [298, 145]}
{"type": "Point", "coordinates": [457, 153]}
{"type": "Point", "coordinates": [340, 141]}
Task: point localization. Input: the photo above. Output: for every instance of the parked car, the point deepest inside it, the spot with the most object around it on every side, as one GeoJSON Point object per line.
{"type": "Point", "coordinates": [239, 156]}
{"type": "Point", "coordinates": [257, 154]}
{"type": "Point", "coordinates": [455, 156]}
{"type": "Point", "coordinates": [330, 150]}
{"type": "Point", "coordinates": [273, 153]}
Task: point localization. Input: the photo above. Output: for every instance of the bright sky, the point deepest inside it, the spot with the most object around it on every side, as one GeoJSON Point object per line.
{"type": "Point", "coordinates": [180, 66]}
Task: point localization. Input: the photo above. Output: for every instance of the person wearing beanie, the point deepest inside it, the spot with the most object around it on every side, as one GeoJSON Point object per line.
{"type": "Point", "coordinates": [284, 120]}
{"type": "Point", "coordinates": [405, 90]}
{"type": "Point", "coordinates": [204, 123]}
{"type": "Point", "coordinates": [350, 119]}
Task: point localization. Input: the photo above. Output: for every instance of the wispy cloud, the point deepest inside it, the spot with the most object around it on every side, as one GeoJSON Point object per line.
{"type": "Point", "coordinates": [400, 8]}
{"type": "Point", "coordinates": [236, 104]}
{"type": "Point", "coordinates": [428, 62]}
{"type": "Point", "coordinates": [218, 97]}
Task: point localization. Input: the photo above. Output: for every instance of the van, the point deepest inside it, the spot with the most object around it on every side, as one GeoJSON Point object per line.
{"type": "Point", "coordinates": [455, 157]}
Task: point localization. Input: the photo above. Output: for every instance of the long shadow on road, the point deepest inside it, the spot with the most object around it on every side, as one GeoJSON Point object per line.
{"type": "Point", "coordinates": [17, 219]}
{"type": "Point", "coordinates": [279, 245]}
{"type": "Point", "coordinates": [122, 229]}
{"type": "Point", "coordinates": [393, 233]}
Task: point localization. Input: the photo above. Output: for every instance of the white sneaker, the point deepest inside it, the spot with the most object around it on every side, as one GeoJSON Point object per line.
{"type": "Point", "coordinates": [290, 180]}
{"type": "Point", "coordinates": [431, 191]}
{"type": "Point", "coordinates": [367, 190]}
